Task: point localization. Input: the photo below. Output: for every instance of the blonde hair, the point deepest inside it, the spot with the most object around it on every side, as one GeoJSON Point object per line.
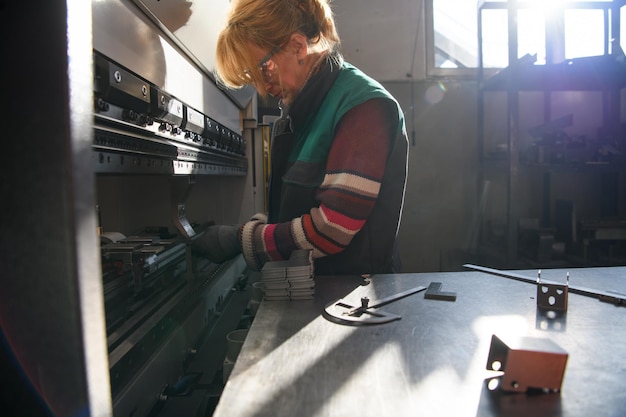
{"type": "Point", "coordinates": [268, 24]}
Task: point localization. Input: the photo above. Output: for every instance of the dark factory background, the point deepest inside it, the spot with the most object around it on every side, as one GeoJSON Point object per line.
{"type": "Point", "coordinates": [514, 162]}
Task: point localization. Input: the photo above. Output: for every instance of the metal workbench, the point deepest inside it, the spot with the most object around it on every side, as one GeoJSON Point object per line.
{"type": "Point", "coordinates": [432, 362]}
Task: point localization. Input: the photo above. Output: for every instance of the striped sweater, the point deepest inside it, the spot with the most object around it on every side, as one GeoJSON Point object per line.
{"type": "Point", "coordinates": [327, 177]}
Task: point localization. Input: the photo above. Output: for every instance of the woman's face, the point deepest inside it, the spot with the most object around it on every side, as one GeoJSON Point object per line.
{"type": "Point", "coordinates": [283, 76]}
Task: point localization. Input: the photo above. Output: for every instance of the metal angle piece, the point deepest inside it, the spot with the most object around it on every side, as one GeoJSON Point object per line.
{"type": "Point", "coordinates": [344, 312]}
{"type": "Point", "coordinates": [434, 293]}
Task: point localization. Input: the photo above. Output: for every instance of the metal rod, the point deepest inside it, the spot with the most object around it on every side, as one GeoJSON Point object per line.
{"type": "Point", "coordinates": [394, 297]}
{"type": "Point", "coordinates": [612, 297]}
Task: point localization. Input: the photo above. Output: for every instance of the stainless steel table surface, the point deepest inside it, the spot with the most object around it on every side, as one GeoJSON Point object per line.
{"type": "Point", "coordinates": [432, 362]}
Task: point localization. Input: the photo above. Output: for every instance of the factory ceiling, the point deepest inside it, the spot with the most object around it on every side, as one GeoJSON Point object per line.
{"type": "Point", "coordinates": [383, 38]}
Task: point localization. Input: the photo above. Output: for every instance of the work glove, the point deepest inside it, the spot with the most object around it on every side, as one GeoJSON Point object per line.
{"type": "Point", "coordinates": [218, 243]}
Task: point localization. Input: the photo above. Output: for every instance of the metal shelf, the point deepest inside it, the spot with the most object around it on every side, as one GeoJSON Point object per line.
{"type": "Point", "coordinates": [605, 74]}
{"type": "Point", "coordinates": [580, 74]}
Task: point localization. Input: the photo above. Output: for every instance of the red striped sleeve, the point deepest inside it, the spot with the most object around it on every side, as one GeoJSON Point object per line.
{"type": "Point", "coordinates": [270, 242]}
{"type": "Point", "coordinates": [343, 221]}
{"type": "Point", "coordinates": [318, 241]}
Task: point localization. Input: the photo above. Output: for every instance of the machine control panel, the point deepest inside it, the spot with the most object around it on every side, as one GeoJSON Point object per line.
{"type": "Point", "coordinates": [138, 121]}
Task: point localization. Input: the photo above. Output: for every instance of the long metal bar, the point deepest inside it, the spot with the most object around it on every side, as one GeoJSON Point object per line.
{"type": "Point", "coordinates": [608, 296]}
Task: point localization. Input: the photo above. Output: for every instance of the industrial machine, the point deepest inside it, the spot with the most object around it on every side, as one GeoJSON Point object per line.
{"type": "Point", "coordinates": [133, 149]}
{"type": "Point", "coordinates": [163, 127]}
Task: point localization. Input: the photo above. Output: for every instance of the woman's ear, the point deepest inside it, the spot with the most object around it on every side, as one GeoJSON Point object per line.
{"type": "Point", "coordinates": [298, 45]}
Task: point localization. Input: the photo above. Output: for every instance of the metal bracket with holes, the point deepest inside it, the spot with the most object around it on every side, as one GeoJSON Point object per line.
{"type": "Point", "coordinates": [527, 363]}
{"type": "Point", "coordinates": [552, 296]}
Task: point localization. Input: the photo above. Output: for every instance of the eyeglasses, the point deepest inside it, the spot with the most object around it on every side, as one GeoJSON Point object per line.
{"type": "Point", "coordinates": [264, 64]}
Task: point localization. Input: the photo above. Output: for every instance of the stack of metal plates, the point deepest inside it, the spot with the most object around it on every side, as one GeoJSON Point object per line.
{"type": "Point", "coordinates": [289, 280]}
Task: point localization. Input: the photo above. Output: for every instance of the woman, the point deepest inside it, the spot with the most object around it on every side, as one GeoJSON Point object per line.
{"type": "Point", "coordinates": [339, 150]}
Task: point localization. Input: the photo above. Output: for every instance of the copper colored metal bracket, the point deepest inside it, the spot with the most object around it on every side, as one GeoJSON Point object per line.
{"type": "Point", "coordinates": [527, 363]}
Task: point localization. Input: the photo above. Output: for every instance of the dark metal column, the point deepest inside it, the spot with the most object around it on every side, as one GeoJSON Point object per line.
{"type": "Point", "coordinates": [513, 138]}
{"type": "Point", "coordinates": [51, 304]}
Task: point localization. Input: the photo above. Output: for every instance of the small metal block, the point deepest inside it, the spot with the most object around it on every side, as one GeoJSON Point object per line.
{"type": "Point", "coordinates": [527, 362]}
{"type": "Point", "coordinates": [433, 293]}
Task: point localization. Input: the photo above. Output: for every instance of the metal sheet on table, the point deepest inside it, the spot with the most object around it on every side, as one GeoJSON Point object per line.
{"type": "Point", "coordinates": [432, 361]}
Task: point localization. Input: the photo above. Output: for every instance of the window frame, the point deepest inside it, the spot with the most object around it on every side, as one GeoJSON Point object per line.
{"type": "Point", "coordinates": [611, 9]}
{"type": "Point", "coordinates": [431, 70]}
